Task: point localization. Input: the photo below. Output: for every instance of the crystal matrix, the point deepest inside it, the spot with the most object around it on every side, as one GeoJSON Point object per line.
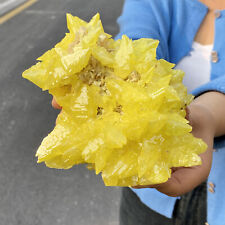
{"type": "Point", "coordinates": [123, 111]}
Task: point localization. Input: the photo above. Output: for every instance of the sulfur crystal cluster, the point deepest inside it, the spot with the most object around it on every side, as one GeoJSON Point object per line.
{"type": "Point", "coordinates": [123, 111]}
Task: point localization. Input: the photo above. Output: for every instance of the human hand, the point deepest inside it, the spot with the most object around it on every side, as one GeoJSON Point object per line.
{"type": "Point", "coordinates": [55, 104]}
{"type": "Point", "coordinates": [184, 179]}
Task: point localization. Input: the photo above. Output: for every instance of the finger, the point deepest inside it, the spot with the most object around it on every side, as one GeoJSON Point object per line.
{"type": "Point", "coordinates": [183, 180]}
{"type": "Point", "coordinates": [188, 115]}
{"type": "Point", "coordinates": [176, 186]}
{"type": "Point", "coordinates": [173, 169]}
{"type": "Point", "coordinates": [145, 186]}
{"type": "Point", "coordinates": [187, 112]}
{"type": "Point", "coordinates": [55, 104]}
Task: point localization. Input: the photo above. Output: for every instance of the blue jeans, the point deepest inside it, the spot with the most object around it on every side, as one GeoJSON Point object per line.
{"type": "Point", "coordinates": [190, 209]}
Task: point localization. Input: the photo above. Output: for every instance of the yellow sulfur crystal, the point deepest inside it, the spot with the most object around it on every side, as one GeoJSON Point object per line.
{"type": "Point", "coordinates": [123, 111]}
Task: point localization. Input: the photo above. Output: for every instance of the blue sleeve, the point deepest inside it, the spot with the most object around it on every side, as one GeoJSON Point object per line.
{"type": "Point", "coordinates": [147, 19]}
{"type": "Point", "coordinates": [217, 84]}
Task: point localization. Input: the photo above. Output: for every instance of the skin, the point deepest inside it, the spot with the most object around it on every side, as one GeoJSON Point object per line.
{"type": "Point", "coordinates": [205, 34]}
{"type": "Point", "coordinates": [55, 104]}
{"type": "Point", "coordinates": [206, 115]}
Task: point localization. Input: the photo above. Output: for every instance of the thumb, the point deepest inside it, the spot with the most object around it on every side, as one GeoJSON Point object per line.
{"type": "Point", "coordinates": [183, 180]}
{"type": "Point", "coordinates": [188, 115]}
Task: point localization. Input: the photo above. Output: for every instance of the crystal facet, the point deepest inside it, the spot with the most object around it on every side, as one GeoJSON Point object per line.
{"type": "Point", "coordinates": [123, 111]}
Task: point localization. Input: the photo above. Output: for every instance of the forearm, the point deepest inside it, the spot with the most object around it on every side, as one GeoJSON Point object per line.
{"type": "Point", "coordinates": [214, 103]}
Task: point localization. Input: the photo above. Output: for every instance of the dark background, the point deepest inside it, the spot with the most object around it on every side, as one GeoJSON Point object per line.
{"type": "Point", "coordinates": [30, 193]}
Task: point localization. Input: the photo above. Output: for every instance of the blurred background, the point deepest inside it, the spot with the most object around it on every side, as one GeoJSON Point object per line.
{"type": "Point", "coordinates": [31, 193]}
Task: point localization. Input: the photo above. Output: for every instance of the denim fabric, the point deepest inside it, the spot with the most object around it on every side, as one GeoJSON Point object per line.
{"type": "Point", "coordinates": [134, 212]}
{"type": "Point", "coordinates": [190, 209]}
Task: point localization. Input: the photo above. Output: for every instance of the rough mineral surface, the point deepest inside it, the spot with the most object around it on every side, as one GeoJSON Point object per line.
{"type": "Point", "coordinates": [123, 111]}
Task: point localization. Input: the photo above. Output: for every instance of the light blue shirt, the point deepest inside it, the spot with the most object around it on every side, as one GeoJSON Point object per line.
{"type": "Point", "coordinates": [175, 23]}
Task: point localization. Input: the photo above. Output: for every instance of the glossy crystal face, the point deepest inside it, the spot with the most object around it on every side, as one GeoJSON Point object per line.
{"type": "Point", "coordinates": [123, 111]}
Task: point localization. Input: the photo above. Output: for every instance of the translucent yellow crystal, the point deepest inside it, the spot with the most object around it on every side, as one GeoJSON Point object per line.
{"type": "Point", "coordinates": [123, 111]}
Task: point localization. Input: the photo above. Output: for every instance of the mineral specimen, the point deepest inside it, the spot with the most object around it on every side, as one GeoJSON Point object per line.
{"type": "Point", "coordinates": [123, 111]}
